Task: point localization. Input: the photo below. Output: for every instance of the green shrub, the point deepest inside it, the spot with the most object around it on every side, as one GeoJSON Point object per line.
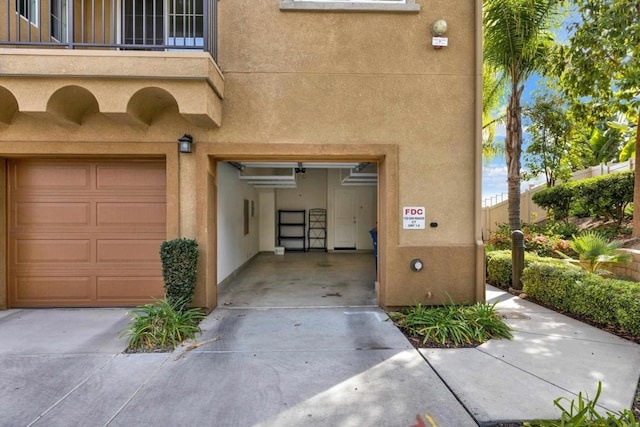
{"type": "Point", "coordinates": [452, 324]}
{"type": "Point", "coordinates": [161, 326]}
{"type": "Point", "coordinates": [610, 302]}
{"type": "Point", "coordinates": [556, 200]}
{"type": "Point", "coordinates": [606, 197]}
{"type": "Point", "coordinates": [551, 284]}
{"type": "Point", "coordinates": [179, 270]}
{"type": "Point", "coordinates": [499, 267]}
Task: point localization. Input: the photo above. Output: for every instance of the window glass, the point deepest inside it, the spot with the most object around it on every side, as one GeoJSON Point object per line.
{"type": "Point", "coordinates": [28, 9]}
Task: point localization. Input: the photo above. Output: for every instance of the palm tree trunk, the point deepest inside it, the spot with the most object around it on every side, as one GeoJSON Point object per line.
{"type": "Point", "coordinates": [513, 150]}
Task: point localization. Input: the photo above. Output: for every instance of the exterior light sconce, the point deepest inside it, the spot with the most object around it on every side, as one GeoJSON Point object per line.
{"type": "Point", "coordinates": [184, 143]}
{"type": "Point", "coordinates": [438, 30]}
{"type": "Point", "coordinates": [416, 264]}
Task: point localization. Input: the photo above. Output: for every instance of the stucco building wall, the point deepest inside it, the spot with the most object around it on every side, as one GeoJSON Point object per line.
{"type": "Point", "coordinates": [293, 85]}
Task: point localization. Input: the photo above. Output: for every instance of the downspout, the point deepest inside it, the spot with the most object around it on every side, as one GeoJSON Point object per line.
{"type": "Point", "coordinates": [479, 243]}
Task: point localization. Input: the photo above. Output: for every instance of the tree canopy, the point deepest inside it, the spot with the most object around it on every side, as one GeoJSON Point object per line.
{"type": "Point", "coordinates": [599, 69]}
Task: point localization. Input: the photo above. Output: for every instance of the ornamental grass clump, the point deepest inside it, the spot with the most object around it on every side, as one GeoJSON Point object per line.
{"type": "Point", "coordinates": [583, 412]}
{"type": "Point", "coordinates": [452, 325]}
{"type": "Point", "coordinates": [161, 326]}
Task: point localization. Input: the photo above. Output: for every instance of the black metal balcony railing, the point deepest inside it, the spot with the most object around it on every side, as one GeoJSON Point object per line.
{"type": "Point", "coordinates": [111, 24]}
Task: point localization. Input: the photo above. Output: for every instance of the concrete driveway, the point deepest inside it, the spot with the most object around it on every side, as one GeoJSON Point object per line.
{"type": "Point", "coordinates": [275, 367]}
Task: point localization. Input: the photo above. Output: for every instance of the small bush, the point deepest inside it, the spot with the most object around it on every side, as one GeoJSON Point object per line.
{"type": "Point", "coordinates": [606, 197]}
{"type": "Point", "coordinates": [609, 302]}
{"type": "Point", "coordinates": [179, 270]}
{"type": "Point", "coordinates": [556, 200]}
{"type": "Point", "coordinates": [161, 326]}
{"type": "Point", "coordinates": [499, 267]}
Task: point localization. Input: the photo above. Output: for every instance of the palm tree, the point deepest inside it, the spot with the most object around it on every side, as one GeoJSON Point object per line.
{"type": "Point", "coordinates": [517, 39]}
{"type": "Point", "coordinates": [594, 250]}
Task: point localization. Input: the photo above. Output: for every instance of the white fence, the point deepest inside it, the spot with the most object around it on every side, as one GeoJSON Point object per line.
{"type": "Point", "coordinates": [495, 209]}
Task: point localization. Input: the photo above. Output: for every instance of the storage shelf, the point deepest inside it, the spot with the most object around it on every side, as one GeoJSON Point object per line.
{"type": "Point", "coordinates": [292, 221]}
{"type": "Point", "coordinates": [317, 233]}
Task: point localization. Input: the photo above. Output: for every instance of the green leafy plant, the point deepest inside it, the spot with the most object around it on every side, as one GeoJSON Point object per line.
{"type": "Point", "coordinates": [179, 269]}
{"type": "Point", "coordinates": [452, 324]}
{"type": "Point", "coordinates": [160, 326]}
{"type": "Point", "coordinates": [594, 250]}
{"type": "Point", "coordinates": [584, 413]}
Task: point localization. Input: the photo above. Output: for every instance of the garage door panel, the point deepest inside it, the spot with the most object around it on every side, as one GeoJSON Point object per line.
{"type": "Point", "coordinates": [129, 288]}
{"type": "Point", "coordinates": [40, 251]}
{"type": "Point", "coordinates": [131, 177]}
{"type": "Point", "coordinates": [30, 214]}
{"type": "Point", "coordinates": [128, 251]}
{"type": "Point", "coordinates": [130, 214]}
{"type": "Point", "coordinates": [85, 232]}
{"type": "Point", "coordinates": [50, 289]}
{"type": "Point", "coordinates": [39, 175]}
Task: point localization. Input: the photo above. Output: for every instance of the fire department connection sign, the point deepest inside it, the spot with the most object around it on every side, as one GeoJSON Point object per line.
{"type": "Point", "coordinates": [413, 218]}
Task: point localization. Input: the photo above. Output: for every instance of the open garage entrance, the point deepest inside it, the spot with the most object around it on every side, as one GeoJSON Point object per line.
{"type": "Point", "coordinates": [296, 233]}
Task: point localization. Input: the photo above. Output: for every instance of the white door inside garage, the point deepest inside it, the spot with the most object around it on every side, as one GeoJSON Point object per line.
{"type": "Point", "coordinates": [85, 233]}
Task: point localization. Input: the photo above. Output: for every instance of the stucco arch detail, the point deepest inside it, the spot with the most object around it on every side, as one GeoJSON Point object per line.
{"type": "Point", "coordinates": [8, 105]}
{"type": "Point", "coordinates": [72, 103]}
{"type": "Point", "coordinates": [149, 103]}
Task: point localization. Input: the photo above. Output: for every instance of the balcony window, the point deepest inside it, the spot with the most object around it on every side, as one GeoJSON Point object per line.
{"type": "Point", "coordinates": [164, 22]}
{"type": "Point", "coordinates": [186, 23]}
{"type": "Point", "coordinates": [28, 9]}
{"type": "Point", "coordinates": [59, 20]}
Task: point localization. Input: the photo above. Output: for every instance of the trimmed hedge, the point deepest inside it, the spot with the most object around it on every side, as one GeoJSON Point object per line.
{"type": "Point", "coordinates": [603, 197]}
{"type": "Point", "coordinates": [556, 200]}
{"type": "Point", "coordinates": [606, 196]}
{"type": "Point", "coordinates": [568, 288]}
{"type": "Point", "coordinates": [499, 267]}
{"type": "Point", "coordinates": [179, 269]}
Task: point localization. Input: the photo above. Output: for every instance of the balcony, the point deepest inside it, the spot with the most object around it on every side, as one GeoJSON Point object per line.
{"type": "Point", "coordinates": [129, 59]}
{"type": "Point", "coordinates": [183, 25]}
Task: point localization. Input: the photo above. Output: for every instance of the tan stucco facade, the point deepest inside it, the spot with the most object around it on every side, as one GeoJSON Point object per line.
{"type": "Point", "coordinates": [287, 85]}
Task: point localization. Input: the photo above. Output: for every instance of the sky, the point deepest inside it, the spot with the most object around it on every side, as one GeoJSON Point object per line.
{"type": "Point", "coordinates": [494, 173]}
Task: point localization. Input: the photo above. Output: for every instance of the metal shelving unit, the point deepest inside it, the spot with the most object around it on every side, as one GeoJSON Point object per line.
{"type": "Point", "coordinates": [317, 234]}
{"type": "Point", "coordinates": [291, 229]}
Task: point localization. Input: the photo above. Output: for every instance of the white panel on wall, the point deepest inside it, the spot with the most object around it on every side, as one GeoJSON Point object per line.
{"type": "Point", "coordinates": [267, 209]}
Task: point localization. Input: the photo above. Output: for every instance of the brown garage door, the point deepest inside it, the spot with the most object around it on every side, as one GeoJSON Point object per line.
{"type": "Point", "coordinates": [85, 233]}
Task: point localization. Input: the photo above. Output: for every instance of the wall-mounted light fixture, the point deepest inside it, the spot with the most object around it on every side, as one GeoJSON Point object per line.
{"type": "Point", "coordinates": [184, 143]}
{"type": "Point", "coordinates": [438, 30]}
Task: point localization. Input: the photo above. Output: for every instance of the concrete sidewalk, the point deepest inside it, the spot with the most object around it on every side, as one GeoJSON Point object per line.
{"type": "Point", "coordinates": [306, 366]}
{"type": "Point", "coordinates": [550, 356]}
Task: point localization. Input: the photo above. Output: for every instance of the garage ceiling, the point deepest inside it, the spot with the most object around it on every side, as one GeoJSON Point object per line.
{"type": "Point", "coordinates": [283, 174]}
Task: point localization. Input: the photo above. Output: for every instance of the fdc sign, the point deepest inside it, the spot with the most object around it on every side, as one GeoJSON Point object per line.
{"type": "Point", "coordinates": [413, 218]}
